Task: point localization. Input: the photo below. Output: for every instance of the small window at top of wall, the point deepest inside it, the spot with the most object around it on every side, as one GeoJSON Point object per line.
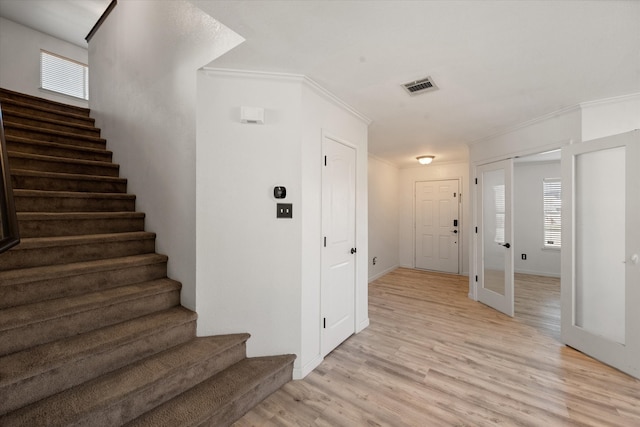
{"type": "Point", "coordinates": [552, 211]}
{"type": "Point", "coordinates": [64, 75]}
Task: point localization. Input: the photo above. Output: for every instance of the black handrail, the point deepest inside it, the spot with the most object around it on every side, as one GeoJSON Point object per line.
{"type": "Point", "coordinates": [9, 232]}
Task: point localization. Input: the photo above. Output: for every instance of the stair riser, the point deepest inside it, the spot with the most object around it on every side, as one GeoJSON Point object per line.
{"type": "Point", "coordinates": [92, 366]}
{"type": "Point", "coordinates": [57, 151]}
{"type": "Point", "coordinates": [21, 338]}
{"type": "Point", "coordinates": [36, 257]}
{"type": "Point", "coordinates": [43, 135]}
{"type": "Point", "coordinates": [68, 286]}
{"type": "Point", "coordinates": [61, 184]}
{"type": "Point", "coordinates": [71, 204]}
{"type": "Point", "coordinates": [77, 227]}
{"type": "Point", "coordinates": [235, 409]}
{"type": "Point", "coordinates": [62, 167]}
{"type": "Point", "coordinates": [137, 402]}
{"type": "Point", "coordinates": [11, 106]}
{"type": "Point", "coordinates": [48, 124]}
{"type": "Point", "coordinates": [5, 94]}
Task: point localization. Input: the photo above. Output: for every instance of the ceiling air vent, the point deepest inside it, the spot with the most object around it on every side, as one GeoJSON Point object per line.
{"type": "Point", "coordinates": [420, 86]}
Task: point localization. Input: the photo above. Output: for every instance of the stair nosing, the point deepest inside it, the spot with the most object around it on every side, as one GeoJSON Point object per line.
{"type": "Point", "coordinates": [70, 135]}
{"type": "Point", "coordinates": [184, 314]}
{"type": "Point", "coordinates": [12, 113]}
{"type": "Point", "coordinates": [50, 310]}
{"type": "Point", "coordinates": [67, 160]}
{"type": "Point", "coordinates": [56, 216]}
{"type": "Point", "coordinates": [56, 144]}
{"type": "Point", "coordinates": [20, 104]}
{"type": "Point", "coordinates": [26, 193]}
{"type": "Point", "coordinates": [32, 274]}
{"type": "Point", "coordinates": [25, 96]}
{"type": "Point", "coordinates": [63, 175]}
{"type": "Point", "coordinates": [29, 243]}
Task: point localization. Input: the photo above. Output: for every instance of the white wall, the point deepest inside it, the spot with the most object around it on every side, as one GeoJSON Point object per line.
{"type": "Point", "coordinates": [144, 60]}
{"type": "Point", "coordinates": [432, 172]}
{"type": "Point", "coordinates": [528, 219]}
{"type": "Point", "coordinates": [20, 65]}
{"type": "Point", "coordinates": [610, 116]}
{"type": "Point", "coordinates": [383, 217]}
{"type": "Point", "coordinates": [257, 273]}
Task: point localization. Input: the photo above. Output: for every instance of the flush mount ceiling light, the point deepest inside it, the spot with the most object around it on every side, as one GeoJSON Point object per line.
{"type": "Point", "coordinates": [425, 160]}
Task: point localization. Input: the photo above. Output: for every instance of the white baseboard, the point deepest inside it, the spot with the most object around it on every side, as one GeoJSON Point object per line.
{"type": "Point", "coordinates": [302, 371]}
{"type": "Point", "coordinates": [362, 325]}
{"type": "Point", "coordinates": [382, 273]}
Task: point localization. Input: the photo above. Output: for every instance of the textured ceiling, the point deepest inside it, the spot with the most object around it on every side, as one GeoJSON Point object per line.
{"type": "Point", "coordinates": [496, 63]}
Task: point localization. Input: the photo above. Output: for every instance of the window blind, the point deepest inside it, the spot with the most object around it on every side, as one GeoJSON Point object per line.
{"type": "Point", "coordinates": [64, 75]}
{"type": "Point", "coordinates": [552, 207]}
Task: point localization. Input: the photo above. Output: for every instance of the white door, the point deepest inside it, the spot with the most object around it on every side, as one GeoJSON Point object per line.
{"type": "Point", "coordinates": [339, 250]}
{"type": "Point", "coordinates": [437, 228]}
{"type": "Point", "coordinates": [600, 288]}
{"type": "Point", "coordinates": [495, 235]}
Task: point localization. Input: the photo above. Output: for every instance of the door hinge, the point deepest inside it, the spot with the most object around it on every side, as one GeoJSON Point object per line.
{"type": "Point", "coordinates": [324, 323]}
{"type": "Point", "coordinates": [476, 230]}
{"type": "Point", "coordinates": [454, 194]}
{"type": "Point", "coordinates": [325, 160]}
{"type": "Point", "coordinates": [325, 241]}
{"type": "Point", "coordinates": [476, 180]}
{"type": "Point", "coordinates": [476, 278]}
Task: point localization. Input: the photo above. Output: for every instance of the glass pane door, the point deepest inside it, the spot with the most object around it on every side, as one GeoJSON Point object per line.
{"type": "Point", "coordinates": [495, 257]}
{"type": "Point", "coordinates": [601, 244]}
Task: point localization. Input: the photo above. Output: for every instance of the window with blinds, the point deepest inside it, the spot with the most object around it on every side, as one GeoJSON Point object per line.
{"type": "Point", "coordinates": [552, 202]}
{"type": "Point", "coordinates": [64, 75]}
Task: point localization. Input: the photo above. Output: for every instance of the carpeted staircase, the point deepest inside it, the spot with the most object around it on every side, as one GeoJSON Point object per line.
{"type": "Point", "coordinates": [91, 329]}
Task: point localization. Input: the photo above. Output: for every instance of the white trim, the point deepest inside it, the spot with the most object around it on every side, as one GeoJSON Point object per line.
{"type": "Point", "coordinates": [613, 100]}
{"type": "Point", "coordinates": [301, 372]}
{"type": "Point", "coordinates": [528, 123]}
{"type": "Point", "coordinates": [228, 72]}
{"type": "Point", "coordinates": [382, 273]}
{"type": "Point", "coordinates": [362, 325]}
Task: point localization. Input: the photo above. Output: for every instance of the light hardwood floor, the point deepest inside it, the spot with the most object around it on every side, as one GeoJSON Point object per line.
{"type": "Point", "coordinates": [433, 357]}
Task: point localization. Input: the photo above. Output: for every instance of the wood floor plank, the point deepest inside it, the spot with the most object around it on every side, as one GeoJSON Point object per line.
{"type": "Point", "coordinates": [433, 357]}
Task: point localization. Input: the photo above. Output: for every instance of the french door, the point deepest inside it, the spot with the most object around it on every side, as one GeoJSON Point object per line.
{"type": "Point", "coordinates": [495, 235]}
{"type": "Point", "coordinates": [600, 290]}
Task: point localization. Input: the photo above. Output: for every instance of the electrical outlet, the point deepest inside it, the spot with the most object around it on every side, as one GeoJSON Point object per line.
{"type": "Point", "coordinates": [524, 257]}
{"type": "Point", "coordinates": [284, 210]}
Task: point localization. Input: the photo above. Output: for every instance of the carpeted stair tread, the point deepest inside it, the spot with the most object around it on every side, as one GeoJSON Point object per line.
{"type": "Point", "coordinates": [55, 181]}
{"type": "Point", "coordinates": [72, 201]}
{"type": "Point", "coordinates": [41, 251]}
{"type": "Point", "coordinates": [33, 132]}
{"type": "Point", "coordinates": [30, 375]}
{"type": "Point", "coordinates": [34, 100]}
{"type": "Point", "coordinates": [120, 396]}
{"type": "Point", "coordinates": [224, 398]}
{"type": "Point", "coordinates": [28, 325]}
{"type": "Point", "coordinates": [38, 162]}
{"type": "Point", "coordinates": [30, 285]}
{"type": "Point", "coordinates": [25, 118]}
{"type": "Point", "coordinates": [43, 224]}
{"type": "Point", "coordinates": [57, 149]}
{"type": "Point", "coordinates": [16, 105]}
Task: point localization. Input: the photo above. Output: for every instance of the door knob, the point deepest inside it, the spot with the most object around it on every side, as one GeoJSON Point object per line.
{"type": "Point", "coordinates": [353, 251]}
{"type": "Point", "coordinates": [507, 245]}
{"type": "Point", "coordinates": [455, 231]}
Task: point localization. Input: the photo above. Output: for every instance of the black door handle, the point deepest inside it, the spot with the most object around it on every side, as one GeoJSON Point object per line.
{"type": "Point", "coordinates": [455, 231]}
{"type": "Point", "coordinates": [353, 251]}
{"type": "Point", "coordinates": [506, 245]}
